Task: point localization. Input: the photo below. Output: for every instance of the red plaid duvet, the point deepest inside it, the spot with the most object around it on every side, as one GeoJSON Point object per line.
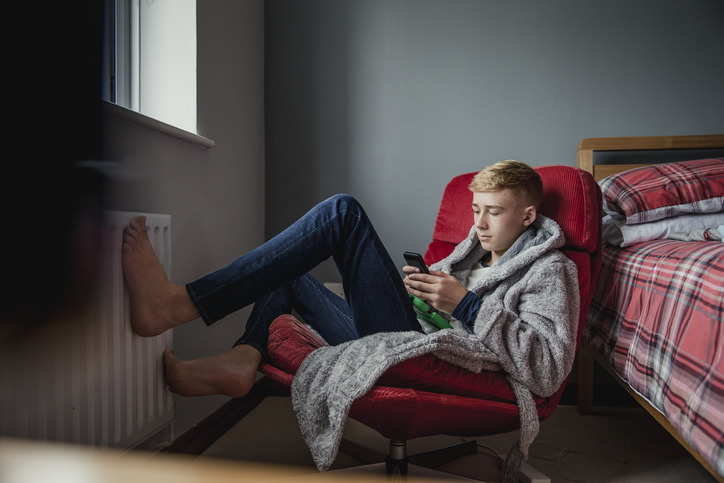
{"type": "Point", "coordinates": [657, 316]}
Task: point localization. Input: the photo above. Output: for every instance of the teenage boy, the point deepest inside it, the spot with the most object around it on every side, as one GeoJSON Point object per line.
{"type": "Point", "coordinates": [510, 292]}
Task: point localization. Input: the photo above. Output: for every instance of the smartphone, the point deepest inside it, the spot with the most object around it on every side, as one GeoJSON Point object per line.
{"type": "Point", "coordinates": [415, 260]}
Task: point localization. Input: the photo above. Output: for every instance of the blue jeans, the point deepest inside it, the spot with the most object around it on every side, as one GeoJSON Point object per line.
{"type": "Point", "coordinates": [275, 278]}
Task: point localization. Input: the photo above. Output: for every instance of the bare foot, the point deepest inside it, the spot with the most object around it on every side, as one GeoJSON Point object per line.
{"type": "Point", "coordinates": [156, 304]}
{"type": "Point", "coordinates": [232, 373]}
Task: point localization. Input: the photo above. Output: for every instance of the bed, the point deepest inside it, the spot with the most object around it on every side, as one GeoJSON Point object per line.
{"type": "Point", "coordinates": [656, 319]}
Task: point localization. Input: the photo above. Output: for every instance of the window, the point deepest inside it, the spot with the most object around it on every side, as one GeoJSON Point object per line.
{"type": "Point", "coordinates": [150, 59]}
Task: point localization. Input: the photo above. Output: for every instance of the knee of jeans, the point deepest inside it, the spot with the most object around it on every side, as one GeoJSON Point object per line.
{"type": "Point", "coordinates": [347, 202]}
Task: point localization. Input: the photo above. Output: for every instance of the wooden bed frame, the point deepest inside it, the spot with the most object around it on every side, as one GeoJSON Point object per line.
{"type": "Point", "coordinates": [586, 355]}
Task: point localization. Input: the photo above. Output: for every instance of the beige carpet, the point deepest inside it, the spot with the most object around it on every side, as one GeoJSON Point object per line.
{"type": "Point", "coordinates": [595, 445]}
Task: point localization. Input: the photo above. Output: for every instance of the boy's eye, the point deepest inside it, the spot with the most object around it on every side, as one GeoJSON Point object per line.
{"type": "Point", "coordinates": [494, 214]}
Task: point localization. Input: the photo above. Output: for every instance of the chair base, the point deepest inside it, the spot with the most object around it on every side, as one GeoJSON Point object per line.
{"type": "Point", "coordinates": [398, 464]}
{"type": "Point", "coordinates": [414, 471]}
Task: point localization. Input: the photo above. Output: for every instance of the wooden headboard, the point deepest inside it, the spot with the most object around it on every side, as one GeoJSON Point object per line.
{"type": "Point", "coordinates": [587, 147]}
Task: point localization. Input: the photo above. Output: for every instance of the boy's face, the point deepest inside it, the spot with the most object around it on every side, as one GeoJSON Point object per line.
{"type": "Point", "coordinates": [499, 220]}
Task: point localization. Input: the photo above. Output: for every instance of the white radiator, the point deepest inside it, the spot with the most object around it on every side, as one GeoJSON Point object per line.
{"type": "Point", "coordinates": [92, 381]}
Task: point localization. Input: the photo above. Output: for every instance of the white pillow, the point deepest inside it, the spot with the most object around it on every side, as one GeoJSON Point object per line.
{"type": "Point", "coordinates": [623, 235]}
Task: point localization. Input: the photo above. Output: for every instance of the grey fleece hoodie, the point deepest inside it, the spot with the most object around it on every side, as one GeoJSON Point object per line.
{"type": "Point", "coordinates": [526, 327]}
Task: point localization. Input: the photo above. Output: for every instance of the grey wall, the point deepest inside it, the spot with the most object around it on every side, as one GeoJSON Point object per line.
{"type": "Point", "coordinates": [387, 100]}
{"type": "Point", "coordinates": [216, 196]}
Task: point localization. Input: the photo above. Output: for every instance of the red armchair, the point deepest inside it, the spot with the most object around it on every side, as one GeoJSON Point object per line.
{"type": "Point", "coordinates": [405, 402]}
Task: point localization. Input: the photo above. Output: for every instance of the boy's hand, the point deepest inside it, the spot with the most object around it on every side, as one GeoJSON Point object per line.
{"type": "Point", "coordinates": [443, 291]}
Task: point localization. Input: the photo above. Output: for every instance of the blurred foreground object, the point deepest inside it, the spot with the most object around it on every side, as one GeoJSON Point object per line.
{"type": "Point", "coordinates": [50, 201]}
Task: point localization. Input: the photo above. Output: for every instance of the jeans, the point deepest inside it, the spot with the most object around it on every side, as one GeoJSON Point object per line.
{"type": "Point", "coordinates": [275, 277]}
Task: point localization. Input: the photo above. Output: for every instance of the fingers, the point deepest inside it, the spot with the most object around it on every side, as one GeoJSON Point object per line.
{"type": "Point", "coordinates": [429, 287]}
{"type": "Point", "coordinates": [420, 284]}
{"type": "Point", "coordinates": [424, 277]}
{"type": "Point", "coordinates": [416, 293]}
{"type": "Point", "coordinates": [443, 291]}
{"type": "Point", "coordinates": [409, 271]}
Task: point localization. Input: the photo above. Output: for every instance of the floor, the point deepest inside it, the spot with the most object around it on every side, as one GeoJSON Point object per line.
{"type": "Point", "coordinates": [569, 447]}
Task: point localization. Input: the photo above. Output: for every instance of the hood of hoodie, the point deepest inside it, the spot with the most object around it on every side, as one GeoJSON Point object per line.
{"type": "Point", "coordinates": [541, 237]}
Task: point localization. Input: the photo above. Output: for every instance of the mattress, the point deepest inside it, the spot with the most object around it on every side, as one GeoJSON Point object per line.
{"type": "Point", "coordinates": [657, 318]}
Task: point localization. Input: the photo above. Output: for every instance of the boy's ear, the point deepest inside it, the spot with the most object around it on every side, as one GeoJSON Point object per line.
{"type": "Point", "coordinates": [530, 214]}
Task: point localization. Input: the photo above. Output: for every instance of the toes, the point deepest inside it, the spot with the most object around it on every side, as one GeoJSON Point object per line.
{"type": "Point", "coordinates": [139, 223]}
{"type": "Point", "coordinates": [169, 357]}
{"type": "Point", "coordinates": [135, 231]}
{"type": "Point", "coordinates": [130, 245]}
{"type": "Point", "coordinates": [127, 248]}
{"type": "Point", "coordinates": [136, 227]}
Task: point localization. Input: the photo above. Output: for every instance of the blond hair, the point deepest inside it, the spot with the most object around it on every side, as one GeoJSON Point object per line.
{"type": "Point", "coordinates": [525, 183]}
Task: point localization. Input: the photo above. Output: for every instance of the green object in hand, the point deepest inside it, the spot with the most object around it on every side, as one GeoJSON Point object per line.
{"type": "Point", "coordinates": [428, 314]}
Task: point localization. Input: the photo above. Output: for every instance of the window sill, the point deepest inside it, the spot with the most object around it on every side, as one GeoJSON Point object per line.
{"type": "Point", "coordinates": [137, 118]}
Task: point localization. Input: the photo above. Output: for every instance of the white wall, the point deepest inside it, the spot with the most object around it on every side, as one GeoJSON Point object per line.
{"type": "Point", "coordinates": [215, 196]}
{"type": "Point", "coordinates": [388, 100]}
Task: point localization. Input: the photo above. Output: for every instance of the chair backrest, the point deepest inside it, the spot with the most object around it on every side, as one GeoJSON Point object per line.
{"type": "Point", "coordinates": [570, 197]}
